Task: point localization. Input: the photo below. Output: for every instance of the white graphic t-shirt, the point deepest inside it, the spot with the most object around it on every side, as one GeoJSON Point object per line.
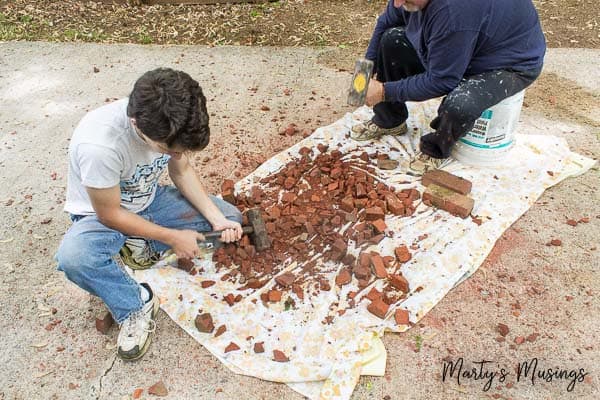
{"type": "Point", "coordinates": [105, 151]}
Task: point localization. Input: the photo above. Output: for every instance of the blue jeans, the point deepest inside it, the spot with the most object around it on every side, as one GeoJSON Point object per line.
{"type": "Point", "coordinates": [86, 252]}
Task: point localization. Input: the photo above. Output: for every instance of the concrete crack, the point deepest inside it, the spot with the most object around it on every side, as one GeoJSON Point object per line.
{"type": "Point", "coordinates": [96, 392]}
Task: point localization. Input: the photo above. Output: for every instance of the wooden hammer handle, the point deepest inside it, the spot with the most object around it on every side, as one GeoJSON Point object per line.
{"type": "Point", "coordinates": [216, 234]}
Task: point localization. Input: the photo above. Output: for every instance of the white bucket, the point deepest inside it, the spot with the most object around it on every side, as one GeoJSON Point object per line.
{"type": "Point", "coordinates": [492, 136]}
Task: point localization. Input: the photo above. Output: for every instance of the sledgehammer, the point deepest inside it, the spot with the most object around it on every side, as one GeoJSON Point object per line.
{"type": "Point", "coordinates": [256, 230]}
{"type": "Point", "coordinates": [360, 82]}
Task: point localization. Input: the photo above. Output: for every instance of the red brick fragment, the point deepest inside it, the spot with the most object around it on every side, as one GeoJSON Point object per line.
{"type": "Point", "coordinates": [230, 299]}
{"type": "Point", "coordinates": [220, 330]}
{"type": "Point", "coordinates": [103, 322]}
{"type": "Point", "coordinates": [401, 317]}
{"type": "Point", "coordinates": [231, 347]}
{"type": "Point", "coordinates": [343, 278]}
{"type": "Point", "coordinates": [531, 338]}
{"type": "Point", "coordinates": [402, 254]}
{"type": "Point", "coordinates": [448, 200]}
{"type": "Point", "coordinates": [204, 323]}
{"type": "Point", "coordinates": [274, 295]}
{"type": "Point", "coordinates": [259, 347]}
{"type": "Point", "coordinates": [374, 213]}
{"type": "Point", "coordinates": [379, 226]}
{"type": "Point", "coordinates": [378, 266]}
{"type": "Point", "coordinates": [502, 329]}
{"type": "Point", "coordinates": [227, 191]}
{"type": "Point", "coordinates": [555, 242]}
{"type": "Point", "coordinates": [373, 294]}
{"type": "Point", "coordinates": [571, 222]}
{"type": "Point", "coordinates": [185, 264]}
{"type": "Point", "coordinates": [447, 180]}
{"type": "Point", "coordinates": [280, 356]}
{"type": "Point", "coordinates": [158, 389]}
{"type": "Point", "coordinates": [206, 284]}
{"type": "Point", "coordinates": [399, 282]}
{"type": "Point", "coordinates": [519, 340]}
{"type": "Point", "coordinates": [285, 279]}
{"type": "Point", "coordinates": [378, 308]}
{"type": "Point", "coordinates": [394, 205]}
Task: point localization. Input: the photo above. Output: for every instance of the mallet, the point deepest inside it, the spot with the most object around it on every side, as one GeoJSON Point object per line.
{"type": "Point", "coordinates": [256, 230]}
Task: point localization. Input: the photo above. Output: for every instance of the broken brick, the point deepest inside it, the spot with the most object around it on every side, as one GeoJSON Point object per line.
{"type": "Point", "coordinates": [401, 317]}
{"type": "Point", "coordinates": [231, 347]}
{"type": "Point", "coordinates": [402, 254]}
{"type": "Point", "coordinates": [259, 347]}
{"type": "Point", "coordinates": [280, 356]}
{"type": "Point", "coordinates": [387, 164]}
{"type": "Point", "coordinates": [379, 226]}
{"type": "Point", "coordinates": [220, 330]}
{"type": "Point", "coordinates": [285, 279]}
{"type": "Point", "coordinates": [204, 323]}
{"type": "Point", "coordinates": [227, 191]}
{"type": "Point", "coordinates": [274, 295]}
{"type": "Point", "coordinates": [394, 205]}
{"type": "Point", "coordinates": [373, 294]}
{"type": "Point", "coordinates": [399, 282]}
{"type": "Point", "coordinates": [343, 278]}
{"type": "Point", "coordinates": [104, 322]}
{"type": "Point", "coordinates": [378, 266]}
{"type": "Point", "coordinates": [374, 213]}
{"type": "Point", "coordinates": [378, 308]}
{"type": "Point", "coordinates": [158, 389]}
{"type": "Point", "coordinates": [206, 284]}
{"type": "Point", "coordinates": [502, 329]}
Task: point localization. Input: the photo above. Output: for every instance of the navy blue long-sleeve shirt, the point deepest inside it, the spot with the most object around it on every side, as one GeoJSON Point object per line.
{"type": "Point", "coordinates": [458, 38]}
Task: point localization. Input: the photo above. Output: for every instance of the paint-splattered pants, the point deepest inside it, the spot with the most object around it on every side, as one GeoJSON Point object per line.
{"type": "Point", "coordinates": [397, 59]}
{"type": "Point", "coordinates": [86, 252]}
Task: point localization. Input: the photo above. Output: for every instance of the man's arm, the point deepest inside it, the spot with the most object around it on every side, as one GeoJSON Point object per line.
{"type": "Point", "coordinates": [107, 205]}
{"type": "Point", "coordinates": [186, 180]}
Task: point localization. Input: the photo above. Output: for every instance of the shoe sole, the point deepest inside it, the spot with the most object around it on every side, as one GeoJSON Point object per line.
{"type": "Point", "coordinates": [138, 355]}
{"type": "Point", "coordinates": [401, 131]}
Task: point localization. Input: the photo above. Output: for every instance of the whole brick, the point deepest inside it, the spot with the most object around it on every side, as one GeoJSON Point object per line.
{"type": "Point", "coordinates": [448, 200]}
{"type": "Point", "coordinates": [447, 180]}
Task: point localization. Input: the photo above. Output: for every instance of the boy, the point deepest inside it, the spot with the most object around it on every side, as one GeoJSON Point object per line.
{"type": "Point", "coordinates": [116, 157]}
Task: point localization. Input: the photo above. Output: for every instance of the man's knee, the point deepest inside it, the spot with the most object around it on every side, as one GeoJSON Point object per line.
{"type": "Point", "coordinates": [393, 37]}
{"type": "Point", "coordinates": [458, 107]}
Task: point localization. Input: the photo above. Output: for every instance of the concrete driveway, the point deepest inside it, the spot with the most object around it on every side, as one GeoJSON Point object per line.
{"type": "Point", "coordinates": [50, 348]}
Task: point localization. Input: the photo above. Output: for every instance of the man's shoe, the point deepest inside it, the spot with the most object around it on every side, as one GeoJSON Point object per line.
{"type": "Point", "coordinates": [134, 336]}
{"type": "Point", "coordinates": [137, 254]}
{"type": "Point", "coordinates": [422, 163]}
{"type": "Point", "coordinates": [369, 131]}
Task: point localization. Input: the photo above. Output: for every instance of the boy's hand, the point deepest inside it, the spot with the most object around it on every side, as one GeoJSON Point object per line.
{"type": "Point", "coordinates": [185, 243]}
{"type": "Point", "coordinates": [232, 231]}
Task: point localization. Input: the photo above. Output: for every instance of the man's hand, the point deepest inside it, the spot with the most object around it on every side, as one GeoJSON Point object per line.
{"type": "Point", "coordinates": [374, 93]}
{"type": "Point", "coordinates": [232, 231]}
{"type": "Point", "coordinates": [185, 243]}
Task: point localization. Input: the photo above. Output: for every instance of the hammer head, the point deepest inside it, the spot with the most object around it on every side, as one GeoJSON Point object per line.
{"type": "Point", "coordinates": [259, 231]}
{"type": "Point", "coordinates": [360, 82]}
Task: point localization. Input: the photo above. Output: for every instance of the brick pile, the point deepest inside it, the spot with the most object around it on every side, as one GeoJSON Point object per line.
{"type": "Point", "coordinates": [313, 208]}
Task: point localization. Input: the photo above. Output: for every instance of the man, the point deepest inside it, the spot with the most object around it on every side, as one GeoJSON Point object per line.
{"type": "Point", "coordinates": [474, 52]}
{"type": "Point", "coordinates": [116, 157]}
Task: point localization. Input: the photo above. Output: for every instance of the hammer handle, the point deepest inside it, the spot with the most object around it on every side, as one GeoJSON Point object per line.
{"type": "Point", "coordinates": [216, 234]}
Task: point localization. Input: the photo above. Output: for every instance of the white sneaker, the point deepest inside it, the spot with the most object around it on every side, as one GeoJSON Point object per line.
{"type": "Point", "coordinates": [137, 254]}
{"type": "Point", "coordinates": [422, 163]}
{"type": "Point", "coordinates": [369, 131]}
{"type": "Point", "coordinates": [134, 336]}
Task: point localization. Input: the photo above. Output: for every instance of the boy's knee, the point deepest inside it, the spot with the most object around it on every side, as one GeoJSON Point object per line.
{"type": "Point", "coordinates": [70, 254]}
